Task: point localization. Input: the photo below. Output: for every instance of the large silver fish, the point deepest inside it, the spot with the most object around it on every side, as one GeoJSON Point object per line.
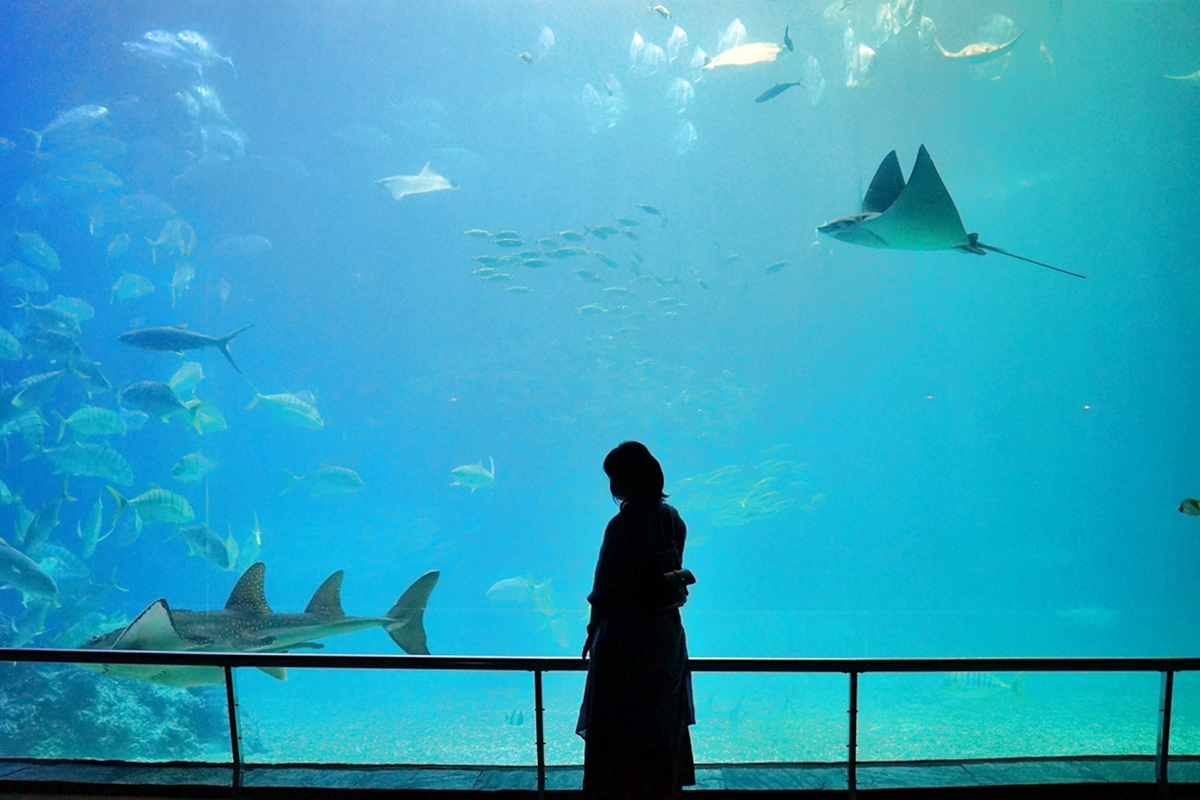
{"type": "Point", "coordinates": [178, 339]}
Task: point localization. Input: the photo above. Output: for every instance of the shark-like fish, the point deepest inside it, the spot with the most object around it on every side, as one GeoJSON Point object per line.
{"type": "Point", "coordinates": [248, 625]}
{"type": "Point", "coordinates": [179, 339]}
{"type": "Point", "coordinates": [424, 181]}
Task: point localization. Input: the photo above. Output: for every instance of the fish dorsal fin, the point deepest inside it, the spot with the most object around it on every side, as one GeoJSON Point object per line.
{"type": "Point", "coordinates": [327, 600]}
{"type": "Point", "coordinates": [248, 596]}
{"type": "Point", "coordinates": [885, 187]}
{"type": "Point", "coordinates": [425, 170]}
{"type": "Point", "coordinates": [153, 629]}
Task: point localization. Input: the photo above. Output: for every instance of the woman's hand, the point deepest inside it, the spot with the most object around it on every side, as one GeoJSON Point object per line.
{"type": "Point", "coordinates": [587, 644]}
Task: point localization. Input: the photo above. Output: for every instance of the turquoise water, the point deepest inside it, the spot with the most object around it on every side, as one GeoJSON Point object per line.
{"type": "Point", "coordinates": [877, 452]}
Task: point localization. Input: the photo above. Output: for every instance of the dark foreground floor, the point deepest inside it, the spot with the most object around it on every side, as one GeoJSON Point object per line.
{"type": "Point", "coordinates": [1099, 777]}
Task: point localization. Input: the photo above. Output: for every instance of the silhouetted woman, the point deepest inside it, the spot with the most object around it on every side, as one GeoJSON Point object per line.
{"type": "Point", "coordinates": [637, 705]}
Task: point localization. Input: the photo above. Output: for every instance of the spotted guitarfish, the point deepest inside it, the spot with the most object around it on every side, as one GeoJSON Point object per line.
{"type": "Point", "coordinates": [248, 625]}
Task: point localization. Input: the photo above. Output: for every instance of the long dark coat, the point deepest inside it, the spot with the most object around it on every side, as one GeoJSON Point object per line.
{"type": "Point", "coordinates": [637, 704]}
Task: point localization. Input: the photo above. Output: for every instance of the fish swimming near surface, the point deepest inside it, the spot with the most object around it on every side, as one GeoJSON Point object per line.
{"type": "Point", "coordinates": [424, 181]}
{"type": "Point", "coordinates": [976, 53]}
{"type": "Point", "coordinates": [981, 685]}
{"type": "Point", "coordinates": [297, 408]}
{"type": "Point", "coordinates": [919, 215]}
{"type": "Point", "coordinates": [787, 40]}
{"type": "Point", "coordinates": [248, 625]}
{"type": "Point", "coordinates": [776, 90]}
{"type": "Point", "coordinates": [745, 55]}
{"type": "Point", "coordinates": [475, 476]}
{"type": "Point", "coordinates": [1193, 79]}
{"type": "Point", "coordinates": [178, 339]}
{"type": "Point", "coordinates": [1190, 506]}
{"type": "Point", "coordinates": [19, 571]}
{"type": "Point", "coordinates": [326, 479]}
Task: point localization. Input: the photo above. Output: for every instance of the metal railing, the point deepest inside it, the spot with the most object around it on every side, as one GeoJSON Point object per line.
{"type": "Point", "coordinates": [852, 667]}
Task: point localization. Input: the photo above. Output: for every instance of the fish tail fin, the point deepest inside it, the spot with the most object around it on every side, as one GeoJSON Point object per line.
{"type": "Point", "coordinates": [408, 628]}
{"type": "Point", "coordinates": [121, 501]}
{"type": "Point", "coordinates": [292, 481]}
{"type": "Point", "coordinates": [1018, 686]}
{"type": "Point", "coordinates": [62, 425]}
{"type": "Point", "coordinates": [223, 345]}
{"type": "Point", "coordinates": [194, 407]}
{"type": "Point", "coordinates": [257, 396]}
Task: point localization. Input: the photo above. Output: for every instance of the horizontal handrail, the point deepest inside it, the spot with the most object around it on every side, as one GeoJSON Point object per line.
{"type": "Point", "coordinates": [198, 658]}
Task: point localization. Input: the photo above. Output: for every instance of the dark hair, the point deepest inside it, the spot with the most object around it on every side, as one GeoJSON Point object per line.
{"type": "Point", "coordinates": [634, 474]}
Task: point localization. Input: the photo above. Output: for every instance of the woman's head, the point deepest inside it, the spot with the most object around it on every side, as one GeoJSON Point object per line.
{"type": "Point", "coordinates": [634, 475]}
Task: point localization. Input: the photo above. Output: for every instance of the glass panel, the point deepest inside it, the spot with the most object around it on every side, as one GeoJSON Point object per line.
{"type": "Point", "coordinates": [381, 717]}
{"type": "Point", "coordinates": [562, 693]}
{"type": "Point", "coordinates": [1002, 715]}
{"type": "Point", "coordinates": [1185, 729]}
{"type": "Point", "coordinates": [66, 712]}
{"type": "Point", "coordinates": [878, 450]}
{"type": "Point", "coordinates": [764, 717]}
{"type": "Point", "coordinates": [1185, 715]}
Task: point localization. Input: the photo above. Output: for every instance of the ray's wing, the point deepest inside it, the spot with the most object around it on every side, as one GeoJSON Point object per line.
{"type": "Point", "coordinates": [885, 187]}
{"type": "Point", "coordinates": [923, 217]}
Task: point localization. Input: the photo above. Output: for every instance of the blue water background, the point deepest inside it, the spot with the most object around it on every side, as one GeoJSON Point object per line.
{"type": "Point", "coordinates": [998, 449]}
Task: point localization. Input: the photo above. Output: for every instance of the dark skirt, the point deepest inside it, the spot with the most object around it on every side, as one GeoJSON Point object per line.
{"type": "Point", "coordinates": [637, 706]}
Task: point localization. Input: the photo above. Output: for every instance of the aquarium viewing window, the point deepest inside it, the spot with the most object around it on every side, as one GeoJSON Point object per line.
{"type": "Point", "coordinates": [319, 318]}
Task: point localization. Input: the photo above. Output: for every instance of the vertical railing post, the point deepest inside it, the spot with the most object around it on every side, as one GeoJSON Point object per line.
{"type": "Point", "coordinates": [235, 741]}
{"type": "Point", "coordinates": [852, 745]}
{"type": "Point", "coordinates": [541, 731]}
{"type": "Point", "coordinates": [1162, 752]}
